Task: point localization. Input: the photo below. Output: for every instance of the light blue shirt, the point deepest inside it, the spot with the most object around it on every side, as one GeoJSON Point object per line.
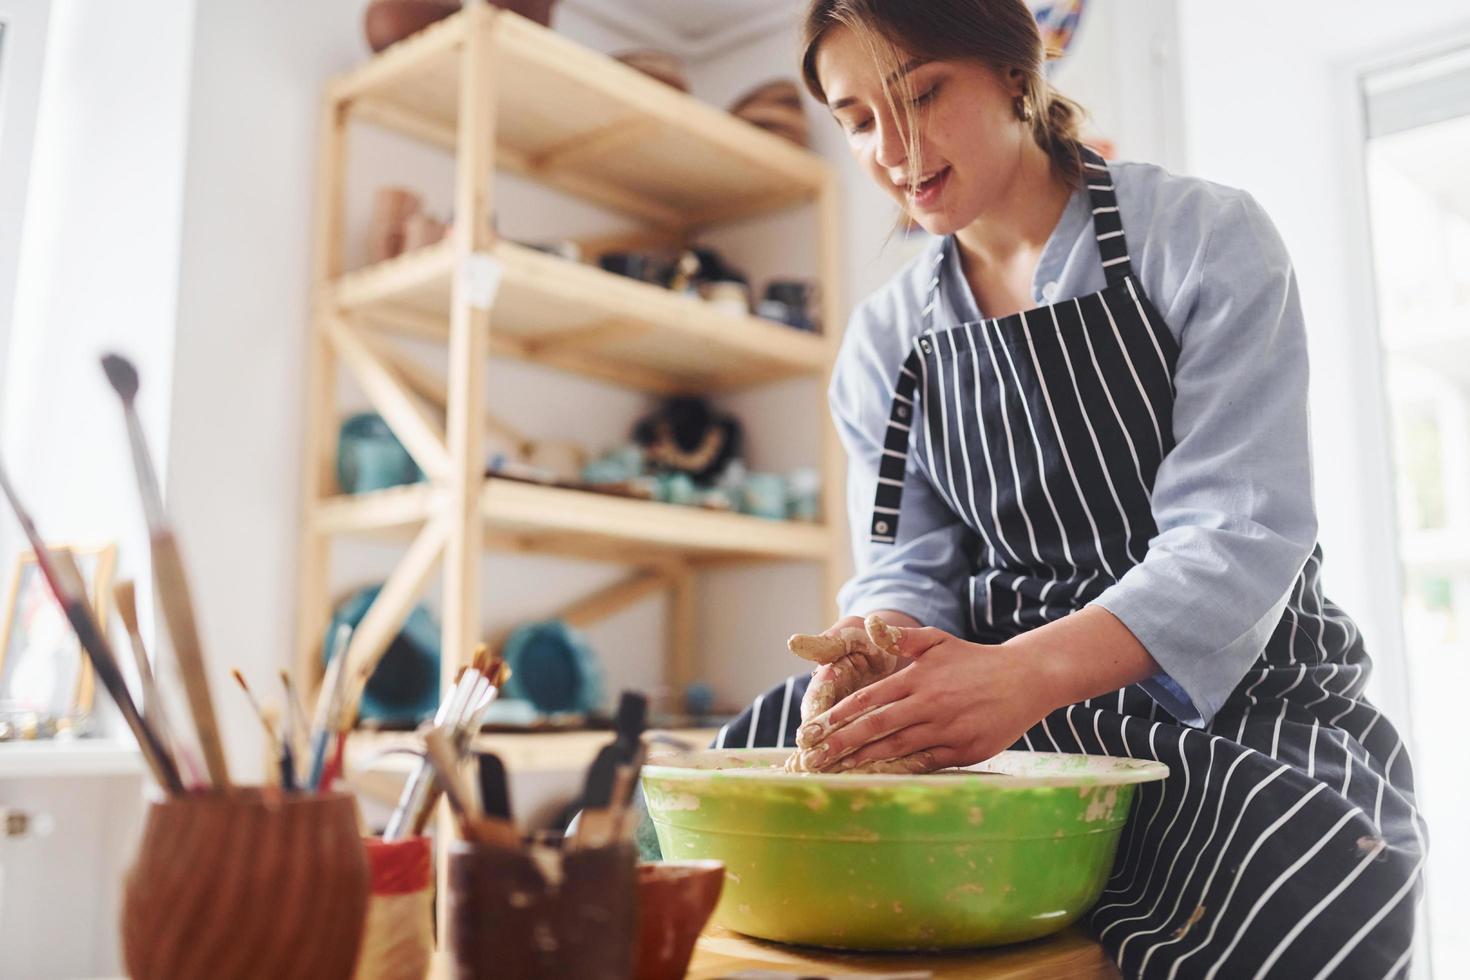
{"type": "Point", "coordinates": [1232, 500]}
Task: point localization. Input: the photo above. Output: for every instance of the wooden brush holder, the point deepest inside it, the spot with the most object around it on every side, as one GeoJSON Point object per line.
{"type": "Point", "coordinates": [509, 919]}
{"type": "Point", "coordinates": [247, 884]}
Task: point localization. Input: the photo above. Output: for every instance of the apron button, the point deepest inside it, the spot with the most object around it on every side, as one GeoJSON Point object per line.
{"type": "Point", "coordinates": [881, 527]}
{"type": "Point", "coordinates": [903, 411]}
{"type": "Point", "coordinates": [924, 346]}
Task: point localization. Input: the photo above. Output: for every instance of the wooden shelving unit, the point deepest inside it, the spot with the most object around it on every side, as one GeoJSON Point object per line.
{"type": "Point", "coordinates": [504, 94]}
{"type": "Point", "coordinates": [581, 319]}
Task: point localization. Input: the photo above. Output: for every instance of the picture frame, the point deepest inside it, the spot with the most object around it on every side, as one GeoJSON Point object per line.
{"type": "Point", "coordinates": [46, 681]}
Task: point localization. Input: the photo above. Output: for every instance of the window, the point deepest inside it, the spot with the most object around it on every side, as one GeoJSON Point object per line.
{"type": "Point", "coordinates": [1418, 142]}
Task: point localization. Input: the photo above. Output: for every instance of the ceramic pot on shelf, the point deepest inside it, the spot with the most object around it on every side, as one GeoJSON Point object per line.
{"type": "Point", "coordinates": [537, 10]}
{"type": "Point", "coordinates": [386, 22]}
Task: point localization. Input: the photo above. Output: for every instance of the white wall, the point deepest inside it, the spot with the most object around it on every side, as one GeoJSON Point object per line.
{"type": "Point", "coordinates": [22, 48]}
{"type": "Point", "coordinates": [99, 270]}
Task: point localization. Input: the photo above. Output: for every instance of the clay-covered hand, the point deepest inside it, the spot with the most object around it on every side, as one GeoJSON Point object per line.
{"type": "Point", "coordinates": [957, 703]}
{"type": "Point", "coordinates": [848, 660]}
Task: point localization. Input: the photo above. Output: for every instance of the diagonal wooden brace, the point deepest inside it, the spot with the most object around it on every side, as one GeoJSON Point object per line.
{"type": "Point", "coordinates": [389, 610]}
{"type": "Point", "coordinates": [420, 432]}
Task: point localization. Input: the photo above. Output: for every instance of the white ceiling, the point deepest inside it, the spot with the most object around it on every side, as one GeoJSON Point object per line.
{"type": "Point", "coordinates": [691, 28]}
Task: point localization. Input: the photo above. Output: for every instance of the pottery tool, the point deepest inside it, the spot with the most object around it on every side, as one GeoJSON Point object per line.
{"type": "Point", "coordinates": [440, 751]}
{"type": "Point", "coordinates": [66, 584]}
{"type": "Point", "coordinates": [621, 751]}
{"type": "Point", "coordinates": [169, 577]}
{"type": "Point", "coordinates": [613, 776]}
{"type": "Point", "coordinates": [328, 706]}
{"type": "Point", "coordinates": [494, 787]}
{"type": "Point", "coordinates": [603, 824]}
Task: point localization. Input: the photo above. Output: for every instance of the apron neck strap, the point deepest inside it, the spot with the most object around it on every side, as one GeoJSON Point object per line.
{"type": "Point", "coordinates": [1112, 246]}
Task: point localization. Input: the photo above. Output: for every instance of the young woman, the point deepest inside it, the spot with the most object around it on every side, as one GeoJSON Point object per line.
{"type": "Point", "coordinates": [1080, 481]}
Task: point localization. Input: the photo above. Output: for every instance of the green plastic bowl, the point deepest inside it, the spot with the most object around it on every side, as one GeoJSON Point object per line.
{"type": "Point", "coordinates": [1009, 850]}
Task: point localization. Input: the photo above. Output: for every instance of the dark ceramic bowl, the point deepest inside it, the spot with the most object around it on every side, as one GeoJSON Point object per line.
{"type": "Point", "coordinates": [387, 22]}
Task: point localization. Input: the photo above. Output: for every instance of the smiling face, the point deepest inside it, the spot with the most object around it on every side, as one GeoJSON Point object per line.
{"type": "Point", "coordinates": [969, 140]}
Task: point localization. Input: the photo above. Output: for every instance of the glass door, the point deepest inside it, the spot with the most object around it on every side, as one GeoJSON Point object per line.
{"type": "Point", "coordinates": [1418, 180]}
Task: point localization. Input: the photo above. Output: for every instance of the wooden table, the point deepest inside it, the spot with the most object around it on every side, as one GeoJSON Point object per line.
{"type": "Point", "coordinates": [1068, 954]}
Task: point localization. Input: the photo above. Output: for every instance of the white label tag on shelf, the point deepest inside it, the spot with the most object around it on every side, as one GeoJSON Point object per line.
{"type": "Point", "coordinates": [479, 275]}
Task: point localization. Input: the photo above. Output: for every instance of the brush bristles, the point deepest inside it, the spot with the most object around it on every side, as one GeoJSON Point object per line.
{"type": "Point", "coordinates": [121, 375]}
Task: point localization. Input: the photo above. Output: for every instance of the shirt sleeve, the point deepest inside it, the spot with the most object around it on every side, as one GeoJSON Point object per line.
{"type": "Point", "coordinates": [922, 573]}
{"type": "Point", "coordinates": [1233, 499]}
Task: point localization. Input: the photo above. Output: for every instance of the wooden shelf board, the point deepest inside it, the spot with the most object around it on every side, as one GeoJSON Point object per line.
{"type": "Point", "coordinates": [575, 522]}
{"type": "Point", "coordinates": [579, 318]}
{"type": "Point", "coordinates": [528, 752]}
{"type": "Point", "coordinates": [397, 509]}
{"type": "Point", "coordinates": [63, 759]}
{"type": "Point", "coordinates": [561, 112]}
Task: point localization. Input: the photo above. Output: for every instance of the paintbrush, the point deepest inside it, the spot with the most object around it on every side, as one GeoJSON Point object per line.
{"type": "Point", "coordinates": [153, 710]}
{"type": "Point", "coordinates": [442, 755]}
{"type": "Point", "coordinates": [328, 705]}
{"type": "Point", "coordinates": [169, 577]}
{"type": "Point", "coordinates": [416, 787]}
{"type": "Point", "coordinates": [439, 750]}
{"type": "Point", "coordinates": [280, 744]}
{"type": "Point", "coordinates": [127, 608]}
{"type": "Point", "coordinates": [295, 721]}
{"type": "Point", "coordinates": [66, 585]}
{"type": "Point", "coordinates": [255, 704]}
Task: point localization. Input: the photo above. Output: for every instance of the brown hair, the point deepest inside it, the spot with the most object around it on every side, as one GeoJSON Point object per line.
{"type": "Point", "coordinates": [1001, 33]}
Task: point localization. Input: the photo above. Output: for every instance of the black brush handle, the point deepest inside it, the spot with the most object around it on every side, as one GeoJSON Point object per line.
{"type": "Point", "coordinates": [494, 787]}
{"type": "Point", "coordinates": [598, 790]}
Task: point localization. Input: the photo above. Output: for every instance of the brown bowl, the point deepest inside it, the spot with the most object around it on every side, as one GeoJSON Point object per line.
{"type": "Point", "coordinates": [537, 10]}
{"type": "Point", "coordinates": [662, 65]}
{"type": "Point", "coordinates": [775, 106]}
{"type": "Point", "coordinates": [247, 884]}
{"type": "Point", "coordinates": [675, 900]}
{"type": "Point", "coordinates": [387, 22]}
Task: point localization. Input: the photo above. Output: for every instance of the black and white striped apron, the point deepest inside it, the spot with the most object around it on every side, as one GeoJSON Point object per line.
{"type": "Point", "coordinates": [1285, 841]}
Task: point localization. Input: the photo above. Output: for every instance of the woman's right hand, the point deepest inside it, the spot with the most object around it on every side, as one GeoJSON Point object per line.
{"type": "Point", "coordinates": [847, 661]}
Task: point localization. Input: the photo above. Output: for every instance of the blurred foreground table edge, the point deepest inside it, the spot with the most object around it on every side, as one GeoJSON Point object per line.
{"type": "Point", "coordinates": [1069, 954]}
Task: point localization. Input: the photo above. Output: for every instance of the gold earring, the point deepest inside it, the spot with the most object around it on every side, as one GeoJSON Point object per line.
{"type": "Point", "coordinates": [1023, 109]}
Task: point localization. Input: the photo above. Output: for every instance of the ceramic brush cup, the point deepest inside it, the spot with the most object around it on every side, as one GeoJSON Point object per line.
{"type": "Point", "coordinates": [247, 883]}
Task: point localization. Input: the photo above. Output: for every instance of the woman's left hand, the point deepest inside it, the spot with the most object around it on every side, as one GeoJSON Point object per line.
{"type": "Point", "coordinates": [960, 703]}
